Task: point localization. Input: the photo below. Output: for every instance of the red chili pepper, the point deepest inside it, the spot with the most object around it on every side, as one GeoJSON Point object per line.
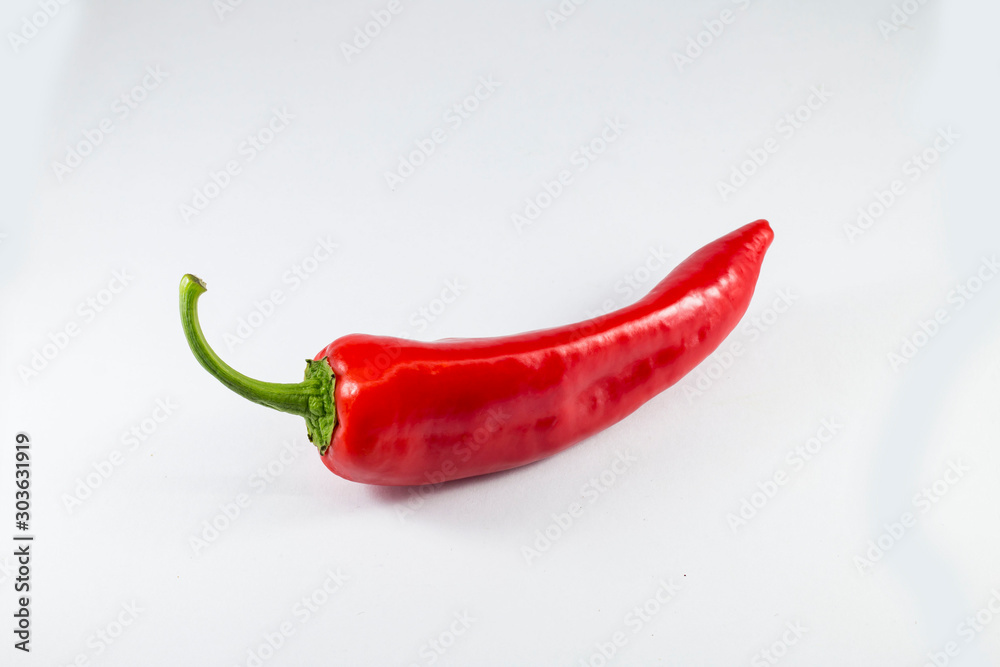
{"type": "Point", "coordinates": [399, 412]}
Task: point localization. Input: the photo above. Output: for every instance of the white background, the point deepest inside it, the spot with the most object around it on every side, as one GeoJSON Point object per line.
{"type": "Point", "coordinates": [462, 551]}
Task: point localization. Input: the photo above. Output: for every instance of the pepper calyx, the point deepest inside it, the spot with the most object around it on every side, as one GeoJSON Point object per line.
{"type": "Point", "coordinates": [322, 415]}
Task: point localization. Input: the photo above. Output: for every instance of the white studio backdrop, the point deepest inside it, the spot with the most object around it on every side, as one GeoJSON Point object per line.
{"type": "Point", "coordinates": [451, 169]}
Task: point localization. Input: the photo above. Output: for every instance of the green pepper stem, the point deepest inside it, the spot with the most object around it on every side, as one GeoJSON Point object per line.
{"type": "Point", "coordinates": [312, 398]}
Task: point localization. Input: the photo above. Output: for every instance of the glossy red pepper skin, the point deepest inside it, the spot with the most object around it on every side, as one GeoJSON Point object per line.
{"type": "Point", "coordinates": [420, 413]}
